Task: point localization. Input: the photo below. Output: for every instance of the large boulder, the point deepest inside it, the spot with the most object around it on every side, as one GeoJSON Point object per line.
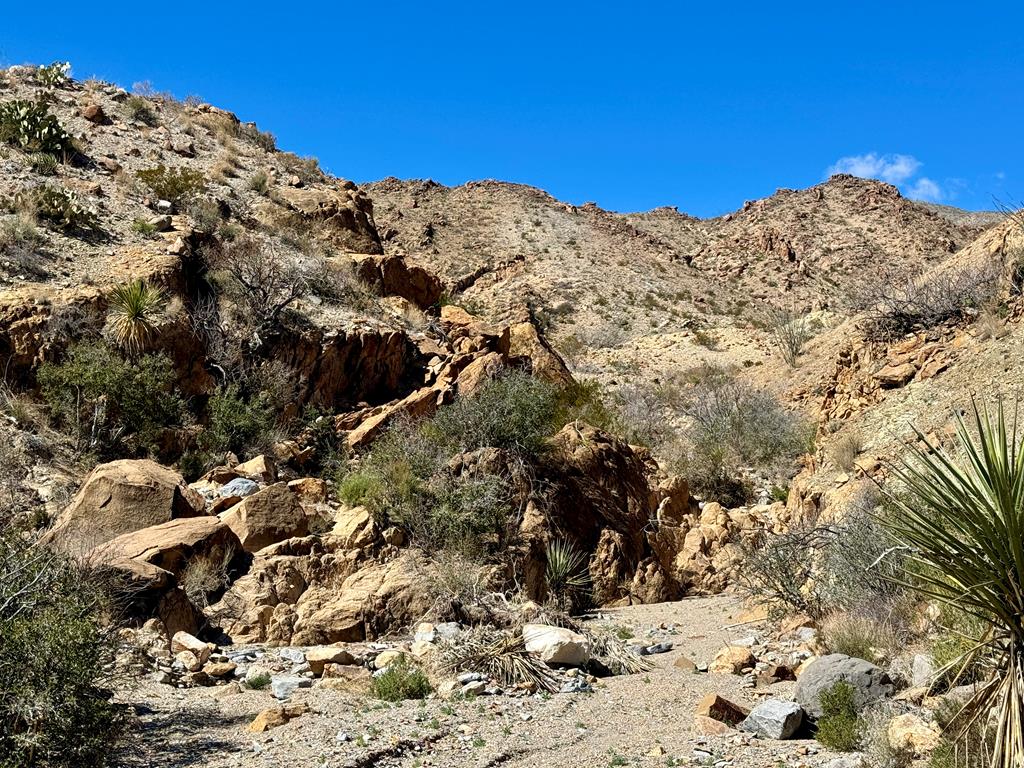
{"type": "Point", "coordinates": [121, 497]}
{"type": "Point", "coordinates": [267, 517]}
{"type": "Point", "coordinates": [172, 545]}
{"type": "Point", "coordinates": [869, 682]}
{"type": "Point", "coordinates": [556, 645]}
{"type": "Point", "coordinates": [343, 214]}
{"type": "Point", "coordinates": [774, 719]}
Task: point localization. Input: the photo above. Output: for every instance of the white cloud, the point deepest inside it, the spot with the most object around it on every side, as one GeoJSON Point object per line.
{"type": "Point", "coordinates": [925, 189]}
{"type": "Point", "coordinates": [894, 169]}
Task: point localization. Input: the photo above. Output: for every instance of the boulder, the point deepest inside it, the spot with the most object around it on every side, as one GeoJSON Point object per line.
{"type": "Point", "coordinates": [922, 670]}
{"type": "Point", "coordinates": [709, 726]}
{"type": "Point", "coordinates": [719, 708]}
{"type": "Point", "coordinates": [121, 497]}
{"type": "Point", "coordinates": [267, 517]}
{"type": "Point", "coordinates": [354, 527]}
{"type": "Point", "coordinates": [869, 682]}
{"type": "Point", "coordinates": [344, 214]}
{"type": "Point", "coordinates": [172, 545]}
{"type": "Point", "coordinates": [183, 641]}
{"type": "Point", "coordinates": [283, 686]}
{"type": "Point", "coordinates": [556, 645]}
{"type": "Point", "coordinates": [774, 719]}
{"type": "Point", "coordinates": [261, 467]}
{"type": "Point", "coordinates": [911, 735]}
{"type": "Point", "coordinates": [732, 660]}
{"type": "Point", "coordinates": [321, 655]}
{"type": "Point", "coordinates": [276, 716]}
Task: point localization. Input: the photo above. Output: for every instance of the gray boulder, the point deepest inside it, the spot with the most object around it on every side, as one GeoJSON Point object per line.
{"type": "Point", "coordinates": [284, 686]}
{"type": "Point", "coordinates": [774, 719]}
{"type": "Point", "coordinates": [869, 682]}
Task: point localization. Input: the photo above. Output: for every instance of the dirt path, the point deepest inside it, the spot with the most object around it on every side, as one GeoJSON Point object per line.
{"type": "Point", "coordinates": [644, 719]}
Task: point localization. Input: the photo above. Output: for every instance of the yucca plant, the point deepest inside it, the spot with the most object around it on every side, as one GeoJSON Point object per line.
{"type": "Point", "coordinates": [566, 571]}
{"type": "Point", "coordinates": [134, 307]}
{"type": "Point", "coordinates": [962, 522]}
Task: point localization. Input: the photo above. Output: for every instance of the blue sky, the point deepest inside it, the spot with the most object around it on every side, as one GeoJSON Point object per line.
{"type": "Point", "coordinates": [630, 105]}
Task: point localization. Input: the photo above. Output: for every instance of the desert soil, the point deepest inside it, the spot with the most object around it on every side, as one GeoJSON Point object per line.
{"type": "Point", "coordinates": [642, 719]}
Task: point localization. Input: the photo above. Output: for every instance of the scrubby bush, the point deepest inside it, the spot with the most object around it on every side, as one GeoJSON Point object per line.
{"type": "Point", "coordinates": [173, 184]}
{"type": "Point", "coordinates": [140, 109]}
{"type": "Point", "coordinates": [895, 304]}
{"type": "Point", "coordinates": [237, 423]}
{"type": "Point", "coordinates": [54, 653]}
{"type": "Point", "coordinates": [407, 478]}
{"type": "Point", "coordinates": [791, 332]}
{"type": "Point", "coordinates": [839, 727]}
{"type": "Point", "coordinates": [733, 426]}
{"type": "Point", "coordinates": [30, 126]}
{"type": "Point", "coordinates": [112, 405]}
{"type": "Point", "coordinates": [860, 636]}
{"type": "Point", "coordinates": [265, 140]}
{"type": "Point", "coordinates": [401, 681]}
{"type": "Point", "coordinates": [259, 182]}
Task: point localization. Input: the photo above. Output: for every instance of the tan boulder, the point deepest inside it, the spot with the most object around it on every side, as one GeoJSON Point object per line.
{"type": "Point", "coordinates": [354, 527]}
{"type": "Point", "coordinates": [343, 215]}
{"type": "Point", "coordinates": [911, 734]}
{"type": "Point", "coordinates": [710, 727]}
{"type": "Point", "coordinates": [185, 642]}
{"type": "Point", "coordinates": [387, 658]}
{"type": "Point", "coordinates": [276, 717]}
{"type": "Point", "coordinates": [121, 497]}
{"type": "Point", "coordinates": [347, 679]}
{"type": "Point", "coordinates": [262, 468]}
{"type": "Point", "coordinates": [319, 656]}
{"type": "Point", "coordinates": [310, 490]}
{"type": "Point", "coordinates": [720, 708]}
{"type": "Point", "coordinates": [270, 515]}
{"type": "Point", "coordinates": [172, 545]}
{"type": "Point", "coordinates": [732, 660]}
{"type": "Point", "coordinates": [526, 341]}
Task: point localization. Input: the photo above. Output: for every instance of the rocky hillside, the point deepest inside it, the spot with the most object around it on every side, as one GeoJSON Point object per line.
{"type": "Point", "coordinates": [421, 438]}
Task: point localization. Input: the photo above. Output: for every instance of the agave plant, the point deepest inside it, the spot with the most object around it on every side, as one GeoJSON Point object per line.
{"type": "Point", "coordinates": [962, 521]}
{"type": "Point", "coordinates": [566, 570]}
{"type": "Point", "coordinates": [134, 307]}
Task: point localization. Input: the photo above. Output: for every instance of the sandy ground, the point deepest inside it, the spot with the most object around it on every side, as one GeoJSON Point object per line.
{"type": "Point", "coordinates": [643, 719]}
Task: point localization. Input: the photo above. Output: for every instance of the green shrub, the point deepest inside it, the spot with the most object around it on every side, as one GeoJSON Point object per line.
{"type": "Point", "coordinates": [54, 710]}
{"type": "Point", "coordinates": [173, 184]}
{"type": "Point", "coordinates": [143, 227]}
{"type": "Point", "coordinates": [140, 109]}
{"type": "Point", "coordinates": [237, 423]}
{"type": "Point", "coordinates": [113, 405]}
{"type": "Point", "coordinates": [355, 488]}
{"type": "Point", "coordinates": [259, 182]}
{"type": "Point", "coordinates": [134, 310]}
{"type": "Point", "coordinates": [265, 140]}
{"type": "Point", "coordinates": [258, 682]}
{"type": "Point", "coordinates": [30, 126]}
{"type": "Point", "coordinates": [839, 727]}
{"type": "Point", "coordinates": [401, 681]}
{"type": "Point", "coordinates": [60, 207]}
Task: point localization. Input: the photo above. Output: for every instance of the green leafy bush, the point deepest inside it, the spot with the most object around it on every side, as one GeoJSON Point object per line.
{"type": "Point", "coordinates": [173, 184]}
{"type": "Point", "coordinates": [140, 109]}
{"type": "Point", "coordinates": [237, 423]}
{"type": "Point", "coordinates": [401, 681]}
{"type": "Point", "coordinates": [113, 405]}
{"type": "Point", "coordinates": [30, 126]}
{"type": "Point", "coordinates": [54, 710]}
{"type": "Point", "coordinates": [839, 727]}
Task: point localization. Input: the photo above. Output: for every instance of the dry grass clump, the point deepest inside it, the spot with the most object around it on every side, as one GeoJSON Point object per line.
{"type": "Point", "coordinates": [499, 655]}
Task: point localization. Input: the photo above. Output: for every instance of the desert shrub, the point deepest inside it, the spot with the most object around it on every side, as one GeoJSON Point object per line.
{"type": "Point", "coordinates": [839, 726]}
{"type": "Point", "coordinates": [112, 405]}
{"type": "Point", "coordinates": [262, 278]}
{"type": "Point", "coordinates": [583, 401]}
{"type": "Point", "coordinates": [18, 230]}
{"type": "Point", "coordinates": [791, 332]}
{"type": "Point", "coordinates": [846, 449]}
{"type": "Point", "coordinates": [173, 184]}
{"type": "Point", "coordinates": [142, 227]}
{"type": "Point", "coordinates": [265, 140]}
{"type": "Point", "coordinates": [54, 709]}
{"type": "Point", "coordinates": [259, 182]}
{"type": "Point", "coordinates": [258, 682]}
{"type": "Point", "coordinates": [401, 681]}
{"type": "Point", "coordinates": [237, 423]}
{"type": "Point", "coordinates": [964, 743]}
{"type": "Point", "coordinates": [206, 576]}
{"type": "Point", "coordinates": [950, 647]}
{"type": "Point", "coordinates": [140, 109]}
{"type": "Point", "coordinates": [863, 637]}
{"type": "Point", "coordinates": [135, 308]}
{"type": "Point", "coordinates": [733, 426]}
{"type": "Point", "coordinates": [895, 304]}
{"type": "Point", "coordinates": [206, 215]}
{"type": "Point", "coordinates": [306, 168]}
{"type": "Point", "coordinates": [31, 127]}
{"type": "Point", "coordinates": [60, 207]}
{"type": "Point", "coordinates": [407, 480]}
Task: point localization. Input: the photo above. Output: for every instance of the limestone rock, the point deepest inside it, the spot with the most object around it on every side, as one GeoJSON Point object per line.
{"type": "Point", "coordinates": [732, 660]}
{"type": "Point", "coordinates": [172, 545]}
{"type": "Point", "coordinates": [319, 656]}
{"type": "Point", "coordinates": [869, 682]}
{"type": "Point", "coordinates": [267, 517]}
{"type": "Point", "coordinates": [910, 734]}
{"type": "Point", "coordinates": [556, 645]}
{"type": "Point", "coordinates": [774, 719]}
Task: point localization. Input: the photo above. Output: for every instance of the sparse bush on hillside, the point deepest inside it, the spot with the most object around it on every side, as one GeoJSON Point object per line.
{"type": "Point", "coordinates": [31, 127]}
{"type": "Point", "coordinates": [839, 728]}
{"type": "Point", "coordinates": [112, 405]}
{"type": "Point", "coordinates": [61, 207]}
{"type": "Point", "coordinates": [734, 426]}
{"type": "Point", "coordinates": [173, 184]}
{"type": "Point", "coordinates": [259, 182]}
{"type": "Point", "coordinates": [54, 709]}
{"type": "Point", "coordinates": [400, 681]}
{"type": "Point", "coordinates": [241, 425]}
{"type": "Point", "coordinates": [861, 636]}
{"type": "Point", "coordinates": [846, 449]}
{"type": "Point", "coordinates": [265, 140]}
{"type": "Point", "coordinates": [895, 304]}
{"type": "Point", "coordinates": [262, 278]}
{"type": "Point", "coordinates": [141, 110]}
{"type": "Point", "coordinates": [791, 331]}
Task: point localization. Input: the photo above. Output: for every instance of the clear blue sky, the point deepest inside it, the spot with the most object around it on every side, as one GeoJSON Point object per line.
{"type": "Point", "coordinates": [631, 105]}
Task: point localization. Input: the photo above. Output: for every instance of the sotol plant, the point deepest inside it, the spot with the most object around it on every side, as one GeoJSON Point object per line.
{"type": "Point", "coordinates": [963, 522]}
{"type": "Point", "coordinates": [566, 571]}
{"type": "Point", "coordinates": [134, 308]}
